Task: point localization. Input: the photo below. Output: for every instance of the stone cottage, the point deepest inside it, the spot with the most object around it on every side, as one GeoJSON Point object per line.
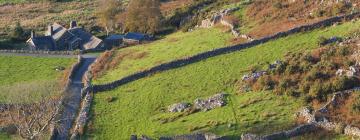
{"type": "Point", "coordinates": [136, 38]}
{"type": "Point", "coordinates": [59, 38]}
{"type": "Point", "coordinates": [114, 41]}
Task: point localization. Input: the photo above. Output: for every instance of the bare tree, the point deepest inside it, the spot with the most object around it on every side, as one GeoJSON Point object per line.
{"type": "Point", "coordinates": [107, 11]}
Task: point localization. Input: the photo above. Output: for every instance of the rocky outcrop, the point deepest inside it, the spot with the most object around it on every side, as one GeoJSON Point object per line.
{"type": "Point", "coordinates": [215, 101]}
{"type": "Point", "coordinates": [218, 100]}
{"type": "Point", "coordinates": [219, 18]}
{"type": "Point", "coordinates": [179, 107]}
{"type": "Point", "coordinates": [351, 72]}
{"type": "Point", "coordinates": [253, 75]}
{"type": "Point", "coordinates": [352, 131]}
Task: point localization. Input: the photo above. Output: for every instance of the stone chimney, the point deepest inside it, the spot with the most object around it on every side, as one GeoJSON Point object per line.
{"type": "Point", "coordinates": [33, 34]}
{"type": "Point", "coordinates": [73, 24]}
{"type": "Point", "coordinates": [51, 30]}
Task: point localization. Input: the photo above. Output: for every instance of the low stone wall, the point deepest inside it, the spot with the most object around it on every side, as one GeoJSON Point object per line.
{"type": "Point", "coordinates": [196, 58]}
{"type": "Point", "coordinates": [42, 52]}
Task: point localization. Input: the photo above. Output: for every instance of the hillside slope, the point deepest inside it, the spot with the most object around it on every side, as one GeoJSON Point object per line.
{"type": "Point", "coordinates": [138, 106]}
{"type": "Point", "coordinates": [175, 46]}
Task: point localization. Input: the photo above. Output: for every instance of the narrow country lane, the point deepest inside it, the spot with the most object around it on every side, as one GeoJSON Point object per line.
{"type": "Point", "coordinates": [72, 101]}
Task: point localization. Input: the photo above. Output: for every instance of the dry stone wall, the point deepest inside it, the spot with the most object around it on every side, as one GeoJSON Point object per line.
{"type": "Point", "coordinates": [42, 52]}
{"type": "Point", "coordinates": [196, 58]}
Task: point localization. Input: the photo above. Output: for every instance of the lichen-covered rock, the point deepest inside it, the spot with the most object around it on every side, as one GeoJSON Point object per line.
{"type": "Point", "coordinates": [307, 114]}
{"type": "Point", "coordinates": [215, 101]}
{"type": "Point", "coordinates": [352, 131]}
{"type": "Point", "coordinates": [254, 75]}
{"type": "Point", "coordinates": [250, 137]}
{"type": "Point", "coordinates": [206, 136]}
{"type": "Point", "coordinates": [179, 107]}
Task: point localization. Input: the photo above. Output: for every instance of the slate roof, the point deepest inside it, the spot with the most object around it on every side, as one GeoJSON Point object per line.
{"type": "Point", "coordinates": [88, 40]}
{"type": "Point", "coordinates": [115, 37]}
{"type": "Point", "coordinates": [136, 36]}
{"type": "Point", "coordinates": [43, 43]}
{"type": "Point", "coordinates": [59, 31]}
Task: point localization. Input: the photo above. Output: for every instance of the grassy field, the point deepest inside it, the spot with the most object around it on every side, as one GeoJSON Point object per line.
{"type": "Point", "coordinates": [31, 72]}
{"type": "Point", "coordinates": [4, 136]}
{"type": "Point", "coordinates": [138, 105]}
{"type": "Point", "coordinates": [174, 46]}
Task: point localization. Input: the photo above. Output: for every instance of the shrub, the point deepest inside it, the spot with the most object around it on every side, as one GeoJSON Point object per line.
{"type": "Point", "coordinates": [309, 58]}
{"type": "Point", "coordinates": [291, 69]}
{"type": "Point", "coordinates": [340, 7]}
{"type": "Point", "coordinates": [355, 107]}
{"type": "Point", "coordinates": [343, 51]}
{"type": "Point", "coordinates": [278, 5]}
{"type": "Point", "coordinates": [316, 74]}
{"type": "Point", "coordinates": [18, 33]}
{"type": "Point", "coordinates": [321, 41]}
{"type": "Point", "coordinates": [264, 83]}
{"type": "Point", "coordinates": [282, 86]}
{"type": "Point", "coordinates": [343, 83]}
{"type": "Point", "coordinates": [110, 99]}
{"type": "Point", "coordinates": [317, 91]}
{"type": "Point", "coordinates": [292, 92]}
{"type": "Point", "coordinates": [304, 87]}
{"type": "Point", "coordinates": [320, 13]}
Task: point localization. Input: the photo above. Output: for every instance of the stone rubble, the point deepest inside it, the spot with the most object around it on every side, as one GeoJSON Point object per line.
{"type": "Point", "coordinates": [219, 18]}
{"type": "Point", "coordinates": [275, 64]}
{"type": "Point", "coordinates": [254, 75]}
{"type": "Point", "coordinates": [352, 131]}
{"type": "Point", "coordinates": [215, 101]}
{"type": "Point", "coordinates": [351, 72]}
{"type": "Point", "coordinates": [179, 107]}
{"type": "Point", "coordinates": [218, 100]}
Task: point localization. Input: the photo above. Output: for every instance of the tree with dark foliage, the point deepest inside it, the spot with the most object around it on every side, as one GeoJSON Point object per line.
{"type": "Point", "coordinates": [143, 16]}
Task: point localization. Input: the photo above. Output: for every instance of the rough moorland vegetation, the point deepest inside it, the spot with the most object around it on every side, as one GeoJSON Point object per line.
{"type": "Point", "coordinates": [314, 74]}
{"type": "Point", "coordinates": [260, 18]}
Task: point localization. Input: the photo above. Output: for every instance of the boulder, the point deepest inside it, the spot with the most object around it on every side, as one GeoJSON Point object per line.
{"type": "Point", "coordinates": [179, 107]}
{"type": "Point", "coordinates": [352, 131]}
{"type": "Point", "coordinates": [215, 101]}
{"type": "Point", "coordinates": [254, 75]}
{"type": "Point", "coordinates": [250, 137]}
